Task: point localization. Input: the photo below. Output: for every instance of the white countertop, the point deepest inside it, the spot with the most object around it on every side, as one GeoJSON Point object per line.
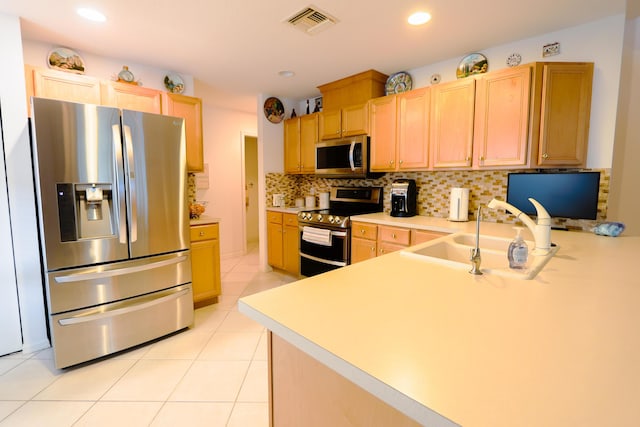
{"type": "Point", "coordinates": [446, 347]}
{"type": "Point", "coordinates": [204, 220]}
{"type": "Point", "coordinates": [291, 209]}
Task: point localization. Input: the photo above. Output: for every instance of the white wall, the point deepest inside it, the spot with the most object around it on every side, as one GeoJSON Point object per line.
{"type": "Point", "coordinates": [20, 185]}
{"type": "Point", "coordinates": [223, 135]}
{"type": "Point", "coordinates": [36, 53]}
{"type": "Point", "coordinates": [624, 204]}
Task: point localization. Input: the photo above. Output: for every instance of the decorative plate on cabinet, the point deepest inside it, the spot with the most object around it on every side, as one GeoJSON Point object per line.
{"type": "Point", "coordinates": [475, 63]}
{"type": "Point", "coordinates": [65, 59]}
{"type": "Point", "coordinates": [398, 83]}
{"type": "Point", "coordinates": [174, 83]}
{"type": "Point", "coordinates": [125, 75]}
{"type": "Point", "coordinates": [514, 59]}
{"type": "Point", "coordinates": [273, 110]}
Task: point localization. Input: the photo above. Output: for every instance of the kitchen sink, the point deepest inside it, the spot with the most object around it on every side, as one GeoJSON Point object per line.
{"type": "Point", "coordinates": [454, 251]}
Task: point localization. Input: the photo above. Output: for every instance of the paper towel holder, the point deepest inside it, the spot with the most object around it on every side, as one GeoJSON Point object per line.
{"type": "Point", "coordinates": [459, 205]}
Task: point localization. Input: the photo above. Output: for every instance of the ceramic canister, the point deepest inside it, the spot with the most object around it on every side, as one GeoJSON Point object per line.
{"type": "Point", "coordinates": [310, 202]}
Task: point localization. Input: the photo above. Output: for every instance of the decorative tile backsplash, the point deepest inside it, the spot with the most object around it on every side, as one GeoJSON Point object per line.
{"type": "Point", "coordinates": [433, 192]}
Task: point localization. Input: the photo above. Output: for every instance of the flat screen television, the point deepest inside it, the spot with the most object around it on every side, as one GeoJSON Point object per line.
{"type": "Point", "coordinates": [564, 194]}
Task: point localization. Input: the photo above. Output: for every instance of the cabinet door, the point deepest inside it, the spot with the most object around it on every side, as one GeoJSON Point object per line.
{"type": "Point", "coordinates": [292, 145]}
{"type": "Point", "coordinates": [131, 97]}
{"type": "Point", "coordinates": [330, 124]}
{"type": "Point", "coordinates": [413, 129]}
{"type": "Point", "coordinates": [190, 109]}
{"type": "Point", "coordinates": [564, 115]}
{"type": "Point", "coordinates": [275, 245]}
{"type": "Point", "coordinates": [64, 86]}
{"type": "Point", "coordinates": [421, 236]}
{"type": "Point", "coordinates": [202, 269]}
{"type": "Point", "coordinates": [308, 139]}
{"type": "Point", "coordinates": [291, 253]}
{"type": "Point", "coordinates": [362, 249]}
{"type": "Point", "coordinates": [502, 118]}
{"type": "Point", "coordinates": [383, 133]}
{"type": "Point", "coordinates": [355, 120]}
{"type": "Point", "coordinates": [451, 127]}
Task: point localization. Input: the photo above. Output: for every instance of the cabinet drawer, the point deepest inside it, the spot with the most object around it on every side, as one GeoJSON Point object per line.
{"type": "Point", "coordinates": [204, 232]}
{"type": "Point", "coordinates": [290, 219]}
{"type": "Point", "coordinates": [364, 231]}
{"type": "Point", "coordinates": [421, 236]}
{"type": "Point", "coordinates": [396, 235]}
{"type": "Point", "coordinates": [274, 217]}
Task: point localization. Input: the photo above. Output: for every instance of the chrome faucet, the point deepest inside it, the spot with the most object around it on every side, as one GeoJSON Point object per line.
{"type": "Point", "coordinates": [475, 252]}
{"type": "Point", "coordinates": [541, 230]}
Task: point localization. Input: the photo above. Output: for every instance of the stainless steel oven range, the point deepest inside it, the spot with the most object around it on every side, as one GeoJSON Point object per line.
{"type": "Point", "coordinates": [325, 235]}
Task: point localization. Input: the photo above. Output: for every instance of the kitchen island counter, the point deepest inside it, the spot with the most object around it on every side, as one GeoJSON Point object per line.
{"type": "Point", "coordinates": [445, 347]}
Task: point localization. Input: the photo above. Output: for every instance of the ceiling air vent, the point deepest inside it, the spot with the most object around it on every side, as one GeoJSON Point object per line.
{"type": "Point", "coordinates": [311, 20]}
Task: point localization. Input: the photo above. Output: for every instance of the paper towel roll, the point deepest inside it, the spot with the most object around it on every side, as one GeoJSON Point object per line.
{"type": "Point", "coordinates": [310, 202]}
{"type": "Point", "coordinates": [459, 204]}
{"type": "Point", "coordinates": [324, 200]}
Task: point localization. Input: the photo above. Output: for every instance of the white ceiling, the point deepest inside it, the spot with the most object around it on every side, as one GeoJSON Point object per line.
{"type": "Point", "coordinates": [238, 46]}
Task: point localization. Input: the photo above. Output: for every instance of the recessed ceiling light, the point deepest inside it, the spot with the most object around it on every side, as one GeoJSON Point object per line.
{"type": "Point", "coordinates": [419, 18]}
{"type": "Point", "coordinates": [286, 73]}
{"type": "Point", "coordinates": [91, 14]}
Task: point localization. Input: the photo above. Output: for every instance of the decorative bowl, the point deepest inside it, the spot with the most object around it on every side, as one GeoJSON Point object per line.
{"type": "Point", "coordinates": [197, 208]}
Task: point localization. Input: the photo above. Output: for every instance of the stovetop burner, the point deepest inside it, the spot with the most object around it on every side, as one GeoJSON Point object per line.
{"type": "Point", "coordinates": [344, 202]}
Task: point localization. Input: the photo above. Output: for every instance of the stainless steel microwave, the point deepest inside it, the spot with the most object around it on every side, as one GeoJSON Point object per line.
{"type": "Point", "coordinates": [344, 158]}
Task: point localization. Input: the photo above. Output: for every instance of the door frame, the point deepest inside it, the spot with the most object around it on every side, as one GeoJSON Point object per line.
{"type": "Point", "coordinates": [243, 136]}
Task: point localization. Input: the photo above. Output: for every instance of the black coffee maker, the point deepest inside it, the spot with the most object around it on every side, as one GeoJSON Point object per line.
{"type": "Point", "coordinates": [403, 197]}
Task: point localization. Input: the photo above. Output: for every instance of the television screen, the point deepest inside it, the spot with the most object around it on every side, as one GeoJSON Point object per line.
{"type": "Point", "coordinates": [564, 195]}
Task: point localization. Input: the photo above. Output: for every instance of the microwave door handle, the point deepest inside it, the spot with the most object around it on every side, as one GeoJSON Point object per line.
{"type": "Point", "coordinates": [351, 150]}
{"type": "Point", "coordinates": [120, 206]}
{"type": "Point", "coordinates": [131, 170]}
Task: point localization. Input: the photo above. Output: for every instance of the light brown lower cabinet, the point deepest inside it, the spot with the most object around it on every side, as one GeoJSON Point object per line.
{"type": "Point", "coordinates": [371, 240]}
{"type": "Point", "coordinates": [283, 241]}
{"type": "Point", "coordinates": [205, 264]}
{"type": "Point", "coordinates": [304, 392]}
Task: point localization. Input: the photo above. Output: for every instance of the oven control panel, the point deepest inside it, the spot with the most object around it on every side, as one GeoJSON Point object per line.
{"type": "Point", "coordinates": [319, 218]}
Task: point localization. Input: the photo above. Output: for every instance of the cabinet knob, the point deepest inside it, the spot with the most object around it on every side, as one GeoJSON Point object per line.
{"type": "Point", "coordinates": [401, 161]}
{"type": "Point", "coordinates": [393, 235]}
{"type": "Point", "coordinates": [362, 231]}
{"type": "Point", "coordinates": [201, 233]}
{"type": "Point", "coordinates": [373, 249]}
{"type": "Point", "coordinates": [482, 158]}
{"type": "Point", "coordinates": [545, 156]}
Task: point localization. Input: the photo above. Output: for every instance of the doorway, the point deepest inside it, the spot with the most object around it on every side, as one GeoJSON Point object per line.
{"type": "Point", "coordinates": [251, 211]}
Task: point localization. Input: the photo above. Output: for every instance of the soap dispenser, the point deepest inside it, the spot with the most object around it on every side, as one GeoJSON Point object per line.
{"type": "Point", "coordinates": [518, 251]}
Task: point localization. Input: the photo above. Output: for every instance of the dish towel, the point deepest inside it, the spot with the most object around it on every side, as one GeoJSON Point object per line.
{"type": "Point", "coordinates": [318, 236]}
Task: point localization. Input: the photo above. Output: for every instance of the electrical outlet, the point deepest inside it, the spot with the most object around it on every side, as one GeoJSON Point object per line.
{"type": "Point", "coordinates": [551, 49]}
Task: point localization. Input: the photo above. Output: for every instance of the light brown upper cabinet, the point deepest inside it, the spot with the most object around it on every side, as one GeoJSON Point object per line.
{"type": "Point", "coordinates": [531, 116]}
{"type": "Point", "coordinates": [190, 109]}
{"type": "Point", "coordinates": [501, 121]}
{"type": "Point", "coordinates": [131, 97]}
{"type": "Point", "coordinates": [451, 127]}
{"type": "Point", "coordinates": [399, 129]}
{"type": "Point", "coordinates": [46, 83]}
{"type": "Point", "coordinates": [300, 137]}
{"type": "Point", "coordinates": [347, 121]}
{"type": "Point", "coordinates": [565, 108]}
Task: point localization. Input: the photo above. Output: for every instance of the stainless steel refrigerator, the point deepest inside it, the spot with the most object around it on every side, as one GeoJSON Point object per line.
{"type": "Point", "coordinates": [113, 226]}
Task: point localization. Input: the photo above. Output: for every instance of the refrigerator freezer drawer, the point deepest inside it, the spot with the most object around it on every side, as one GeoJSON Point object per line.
{"type": "Point", "coordinates": [87, 334]}
{"type": "Point", "coordinates": [88, 286]}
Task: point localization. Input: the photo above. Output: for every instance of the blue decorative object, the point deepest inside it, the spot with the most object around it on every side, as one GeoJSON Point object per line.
{"type": "Point", "coordinates": [613, 229]}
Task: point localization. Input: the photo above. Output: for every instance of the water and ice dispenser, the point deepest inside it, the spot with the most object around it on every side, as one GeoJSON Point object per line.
{"type": "Point", "coordinates": [85, 211]}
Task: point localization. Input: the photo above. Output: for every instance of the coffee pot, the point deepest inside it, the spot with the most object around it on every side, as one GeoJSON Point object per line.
{"type": "Point", "coordinates": [404, 198]}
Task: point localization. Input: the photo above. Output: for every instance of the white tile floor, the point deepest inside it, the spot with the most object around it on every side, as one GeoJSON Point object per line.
{"type": "Point", "coordinates": [214, 374]}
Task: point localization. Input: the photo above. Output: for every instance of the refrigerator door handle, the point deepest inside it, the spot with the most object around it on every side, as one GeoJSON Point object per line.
{"type": "Point", "coordinates": [78, 277]}
{"type": "Point", "coordinates": [119, 173]}
{"type": "Point", "coordinates": [120, 311]}
{"type": "Point", "coordinates": [131, 170]}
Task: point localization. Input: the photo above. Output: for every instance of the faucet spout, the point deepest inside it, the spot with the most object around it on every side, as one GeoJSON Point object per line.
{"type": "Point", "coordinates": [475, 252]}
{"type": "Point", "coordinates": [541, 230]}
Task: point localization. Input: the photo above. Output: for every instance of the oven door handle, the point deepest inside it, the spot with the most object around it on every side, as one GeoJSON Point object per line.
{"type": "Point", "coordinates": [324, 261]}
{"type": "Point", "coordinates": [339, 233]}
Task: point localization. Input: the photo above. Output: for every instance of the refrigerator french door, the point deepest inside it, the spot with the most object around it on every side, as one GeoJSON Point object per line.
{"type": "Point", "coordinates": [114, 227]}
